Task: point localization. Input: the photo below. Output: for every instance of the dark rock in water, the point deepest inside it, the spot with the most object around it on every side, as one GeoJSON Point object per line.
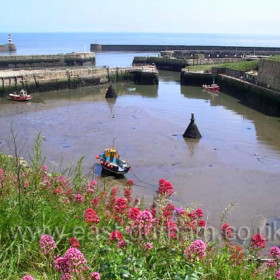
{"type": "Point", "coordinates": [111, 93]}
{"type": "Point", "coordinates": [192, 130]}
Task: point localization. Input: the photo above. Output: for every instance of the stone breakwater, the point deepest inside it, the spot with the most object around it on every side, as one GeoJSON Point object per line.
{"type": "Point", "coordinates": [8, 48]}
{"type": "Point", "coordinates": [43, 61]}
{"type": "Point", "coordinates": [40, 80]}
{"type": "Point", "coordinates": [207, 50]}
{"type": "Point", "coordinates": [262, 99]}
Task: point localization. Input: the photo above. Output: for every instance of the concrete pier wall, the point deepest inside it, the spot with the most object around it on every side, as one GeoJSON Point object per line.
{"type": "Point", "coordinates": [262, 99]}
{"type": "Point", "coordinates": [39, 61]}
{"type": "Point", "coordinates": [222, 50]}
{"type": "Point", "coordinates": [54, 79]}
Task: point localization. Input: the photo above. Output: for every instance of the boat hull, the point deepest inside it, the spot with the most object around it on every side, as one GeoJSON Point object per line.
{"type": "Point", "coordinates": [16, 97]}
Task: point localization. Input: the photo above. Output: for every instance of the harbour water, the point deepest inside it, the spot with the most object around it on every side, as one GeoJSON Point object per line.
{"type": "Point", "coordinates": [237, 159]}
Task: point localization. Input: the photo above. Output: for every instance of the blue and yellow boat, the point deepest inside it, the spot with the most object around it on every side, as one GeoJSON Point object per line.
{"type": "Point", "coordinates": [111, 162]}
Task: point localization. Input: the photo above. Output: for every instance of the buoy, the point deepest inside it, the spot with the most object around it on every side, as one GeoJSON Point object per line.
{"type": "Point", "coordinates": [97, 157]}
{"type": "Point", "coordinates": [192, 130]}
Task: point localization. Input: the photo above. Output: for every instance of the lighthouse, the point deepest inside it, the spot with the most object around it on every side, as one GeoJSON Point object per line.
{"type": "Point", "coordinates": [10, 39]}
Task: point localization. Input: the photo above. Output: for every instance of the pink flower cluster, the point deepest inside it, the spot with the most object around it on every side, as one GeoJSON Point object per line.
{"type": "Point", "coordinates": [196, 249]}
{"type": "Point", "coordinates": [91, 217]}
{"type": "Point", "coordinates": [90, 186]}
{"type": "Point", "coordinates": [95, 276]}
{"type": "Point", "coordinates": [275, 252]}
{"type": "Point", "coordinates": [72, 263]}
{"type": "Point", "coordinates": [78, 198]}
{"type": "Point", "coordinates": [28, 277]}
{"type": "Point", "coordinates": [258, 241]}
{"type": "Point", "coordinates": [143, 222]}
{"type": "Point", "coordinates": [47, 244]}
{"type": "Point", "coordinates": [165, 188]}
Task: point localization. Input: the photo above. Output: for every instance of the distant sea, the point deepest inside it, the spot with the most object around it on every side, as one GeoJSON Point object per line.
{"type": "Point", "coordinates": [53, 43]}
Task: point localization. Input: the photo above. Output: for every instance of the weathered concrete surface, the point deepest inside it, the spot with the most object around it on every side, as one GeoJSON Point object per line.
{"type": "Point", "coordinates": [37, 61]}
{"type": "Point", "coordinates": [222, 50]}
{"type": "Point", "coordinates": [269, 74]}
{"type": "Point", "coordinates": [262, 99]}
{"type": "Point", "coordinates": [58, 78]}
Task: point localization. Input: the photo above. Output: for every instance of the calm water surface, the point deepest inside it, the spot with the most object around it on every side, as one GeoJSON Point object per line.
{"type": "Point", "coordinates": [237, 159]}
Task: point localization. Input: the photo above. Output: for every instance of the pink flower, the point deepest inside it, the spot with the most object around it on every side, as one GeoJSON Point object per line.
{"type": "Point", "coordinates": [275, 252]}
{"type": "Point", "coordinates": [28, 277]}
{"type": "Point", "coordinates": [199, 213]}
{"type": "Point", "coordinates": [196, 249]}
{"type": "Point", "coordinates": [201, 223]}
{"type": "Point", "coordinates": [144, 222]}
{"type": "Point", "coordinates": [66, 276]}
{"type": "Point", "coordinates": [121, 205]}
{"type": "Point", "coordinates": [165, 188]}
{"type": "Point", "coordinates": [271, 263]}
{"type": "Point", "coordinates": [76, 259]}
{"type": "Point", "coordinates": [78, 198]}
{"type": "Point", "coordinates": [129, 182]}
{"type": "Point", "coordinates": [149, 246]}
{"type": "Point", "coordinates": [44, 167]}
{"type": "Point", "coordinates": [122, 244]}
{"type": "Point", "coordinates": [258, 241]}
{"type": "Point", "coordinates": [178, 211]}
{"type": "Point", "coordinates": [47, 244]}
{"type": "Point", "coordinates": [277, 274]}
{"type": "Point", "coordinates": [116, 236]}
{"type": "Point", "coordinates": [90, 186]}
{"type": "Point", "coordinates": [133, 213]}
{"type": "Point", "coordinates": [90, 216]}
{"type": "Point", "coordinates": [227, 231]}
{"type": "Point", "coordinates": [95, 276]}
{"type": "Point", "coordinates": [74, 242]}
{"type": "Point", "coordinates": [62, 264]}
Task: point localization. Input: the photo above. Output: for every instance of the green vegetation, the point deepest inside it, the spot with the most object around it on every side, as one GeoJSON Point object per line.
{"type": "Point", "coordinates": [240, 66]}
{"type": "Point", "coordinates": [275, 57]}
{"type": "Point", "coordinates": [57, 227]}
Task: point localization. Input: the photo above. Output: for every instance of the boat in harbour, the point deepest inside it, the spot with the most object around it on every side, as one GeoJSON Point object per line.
{"type": "Point", "coordinates": [111, 162]}
{"type": "Point", "coordinates": [21, 96]}
{"type": "Point", "coordinates": [212, 87]}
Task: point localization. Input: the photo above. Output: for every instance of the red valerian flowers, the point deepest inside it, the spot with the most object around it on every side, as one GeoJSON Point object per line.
{"type": "Point", "coordinates": [165, 188]}
{"type": "Point", "coordinates": [121, 205]}
{"type": "Point", "coordinates": [28, 277]}
{"type": "Point", "coordinates": [258, 241]}
{"type": "Point", "coordinates": [197, 249]}
{"type": "Point", "coordinates": [227, 231]}
{"type": "Point", "coordinates": [91, 217]}
{"type": "Point", "coordinates": [116, 236]}
{"type": "Point", "coordinates": [74, 242]}
{"type": "Point", "coordinates": [47, 244]}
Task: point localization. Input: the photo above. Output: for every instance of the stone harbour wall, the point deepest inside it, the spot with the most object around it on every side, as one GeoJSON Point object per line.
{"type": "Point", "coordinates": [39, 61]}
{"type": "Point", "coordinates": [269, 74]}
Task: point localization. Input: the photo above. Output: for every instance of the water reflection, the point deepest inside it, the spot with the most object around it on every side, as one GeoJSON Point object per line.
{"type": "Point", "coordinates": [267, 128]}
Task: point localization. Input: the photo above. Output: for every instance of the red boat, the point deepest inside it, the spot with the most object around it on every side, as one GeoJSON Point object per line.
{"type": "Point", "coordinates": [213, 86]}
{"type": "Point", "coordinates": [21, 96]}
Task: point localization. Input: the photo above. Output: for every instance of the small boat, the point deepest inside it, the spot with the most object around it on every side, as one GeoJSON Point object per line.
{"type": "Point", "coordinates": [212, 87]}
{"type": "Point", "coordinates": [21, 96]}
{"type": "Point", "coordinates": [111, 162]}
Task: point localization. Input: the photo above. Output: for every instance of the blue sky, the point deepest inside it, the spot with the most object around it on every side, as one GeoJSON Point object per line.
{"type": "Point", "coordinates": [176, 16]}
